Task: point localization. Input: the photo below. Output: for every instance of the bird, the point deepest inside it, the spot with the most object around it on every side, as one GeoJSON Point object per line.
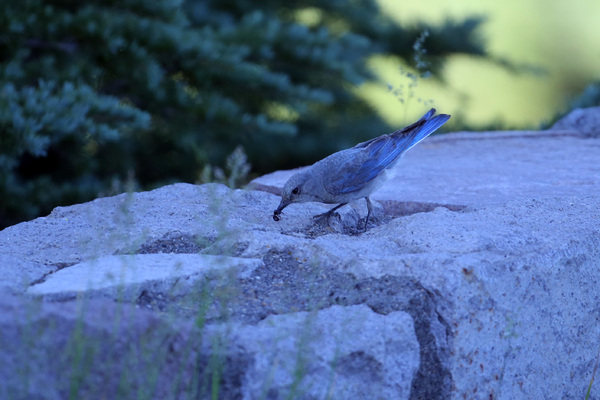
{"type": "Point", "coordinates": [357, 172]}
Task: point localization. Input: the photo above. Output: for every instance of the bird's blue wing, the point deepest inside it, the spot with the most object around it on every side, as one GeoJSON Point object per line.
{"type": "Point", "coordinates": [370, 158]}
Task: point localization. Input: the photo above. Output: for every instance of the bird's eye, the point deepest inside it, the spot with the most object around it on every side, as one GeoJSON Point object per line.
{"type": "Point", "coordinates": [295, 190]}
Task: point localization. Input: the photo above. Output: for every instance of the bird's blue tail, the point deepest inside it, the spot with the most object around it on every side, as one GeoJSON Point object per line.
{"type": "Point", "coordinates": [377, 154]}
{"type": "Point", "coordinates": [413, 134]}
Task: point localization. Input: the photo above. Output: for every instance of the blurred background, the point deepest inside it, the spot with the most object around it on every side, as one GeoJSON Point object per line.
{"type": "Point", "coordinates": [102, 97]}
{"type": "Point", "coordinates": [554, 46]}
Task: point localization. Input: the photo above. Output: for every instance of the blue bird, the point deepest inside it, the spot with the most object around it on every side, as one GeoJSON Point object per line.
{"type": "Point", "coordinates": [356, 173]}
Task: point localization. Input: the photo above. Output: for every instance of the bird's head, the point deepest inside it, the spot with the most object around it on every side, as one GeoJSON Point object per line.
{"type": "Point", "coordinates": [295, 191]}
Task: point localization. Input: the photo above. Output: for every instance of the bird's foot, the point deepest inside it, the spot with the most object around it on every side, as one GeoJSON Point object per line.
{"type": "Point", "coordinates": [325, 215]}
{"type": "Point", "coordinates": [329, 213]}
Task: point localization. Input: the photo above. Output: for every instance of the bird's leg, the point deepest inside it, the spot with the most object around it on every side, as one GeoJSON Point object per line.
{"type": "Point", "coordinates": [328, 213]}
{"type": "Point", "coordinates": [369, 208]}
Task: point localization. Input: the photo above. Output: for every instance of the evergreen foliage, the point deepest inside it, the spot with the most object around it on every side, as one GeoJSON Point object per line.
{"type": "Point", "coordinates": [93, 92]}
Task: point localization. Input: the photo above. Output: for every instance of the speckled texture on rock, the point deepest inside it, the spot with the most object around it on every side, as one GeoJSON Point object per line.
{"type": "Point", "coordinates": [493, 295]}
{"type": "Point", "coordinates": [586, 121]}
{"type": "Point", "coordinates": [357, 341]}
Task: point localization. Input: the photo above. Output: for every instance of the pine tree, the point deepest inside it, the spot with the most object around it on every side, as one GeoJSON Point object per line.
{"type": "Point", "coordinates": [93, 92]}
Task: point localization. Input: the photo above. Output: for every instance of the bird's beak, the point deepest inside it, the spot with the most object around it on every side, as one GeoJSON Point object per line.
{"type": "Point", "coordinates": [279, 209]}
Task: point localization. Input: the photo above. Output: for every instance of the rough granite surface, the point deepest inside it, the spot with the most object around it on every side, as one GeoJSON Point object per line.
{"type": "Point", "coordinates": [477, 278]}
